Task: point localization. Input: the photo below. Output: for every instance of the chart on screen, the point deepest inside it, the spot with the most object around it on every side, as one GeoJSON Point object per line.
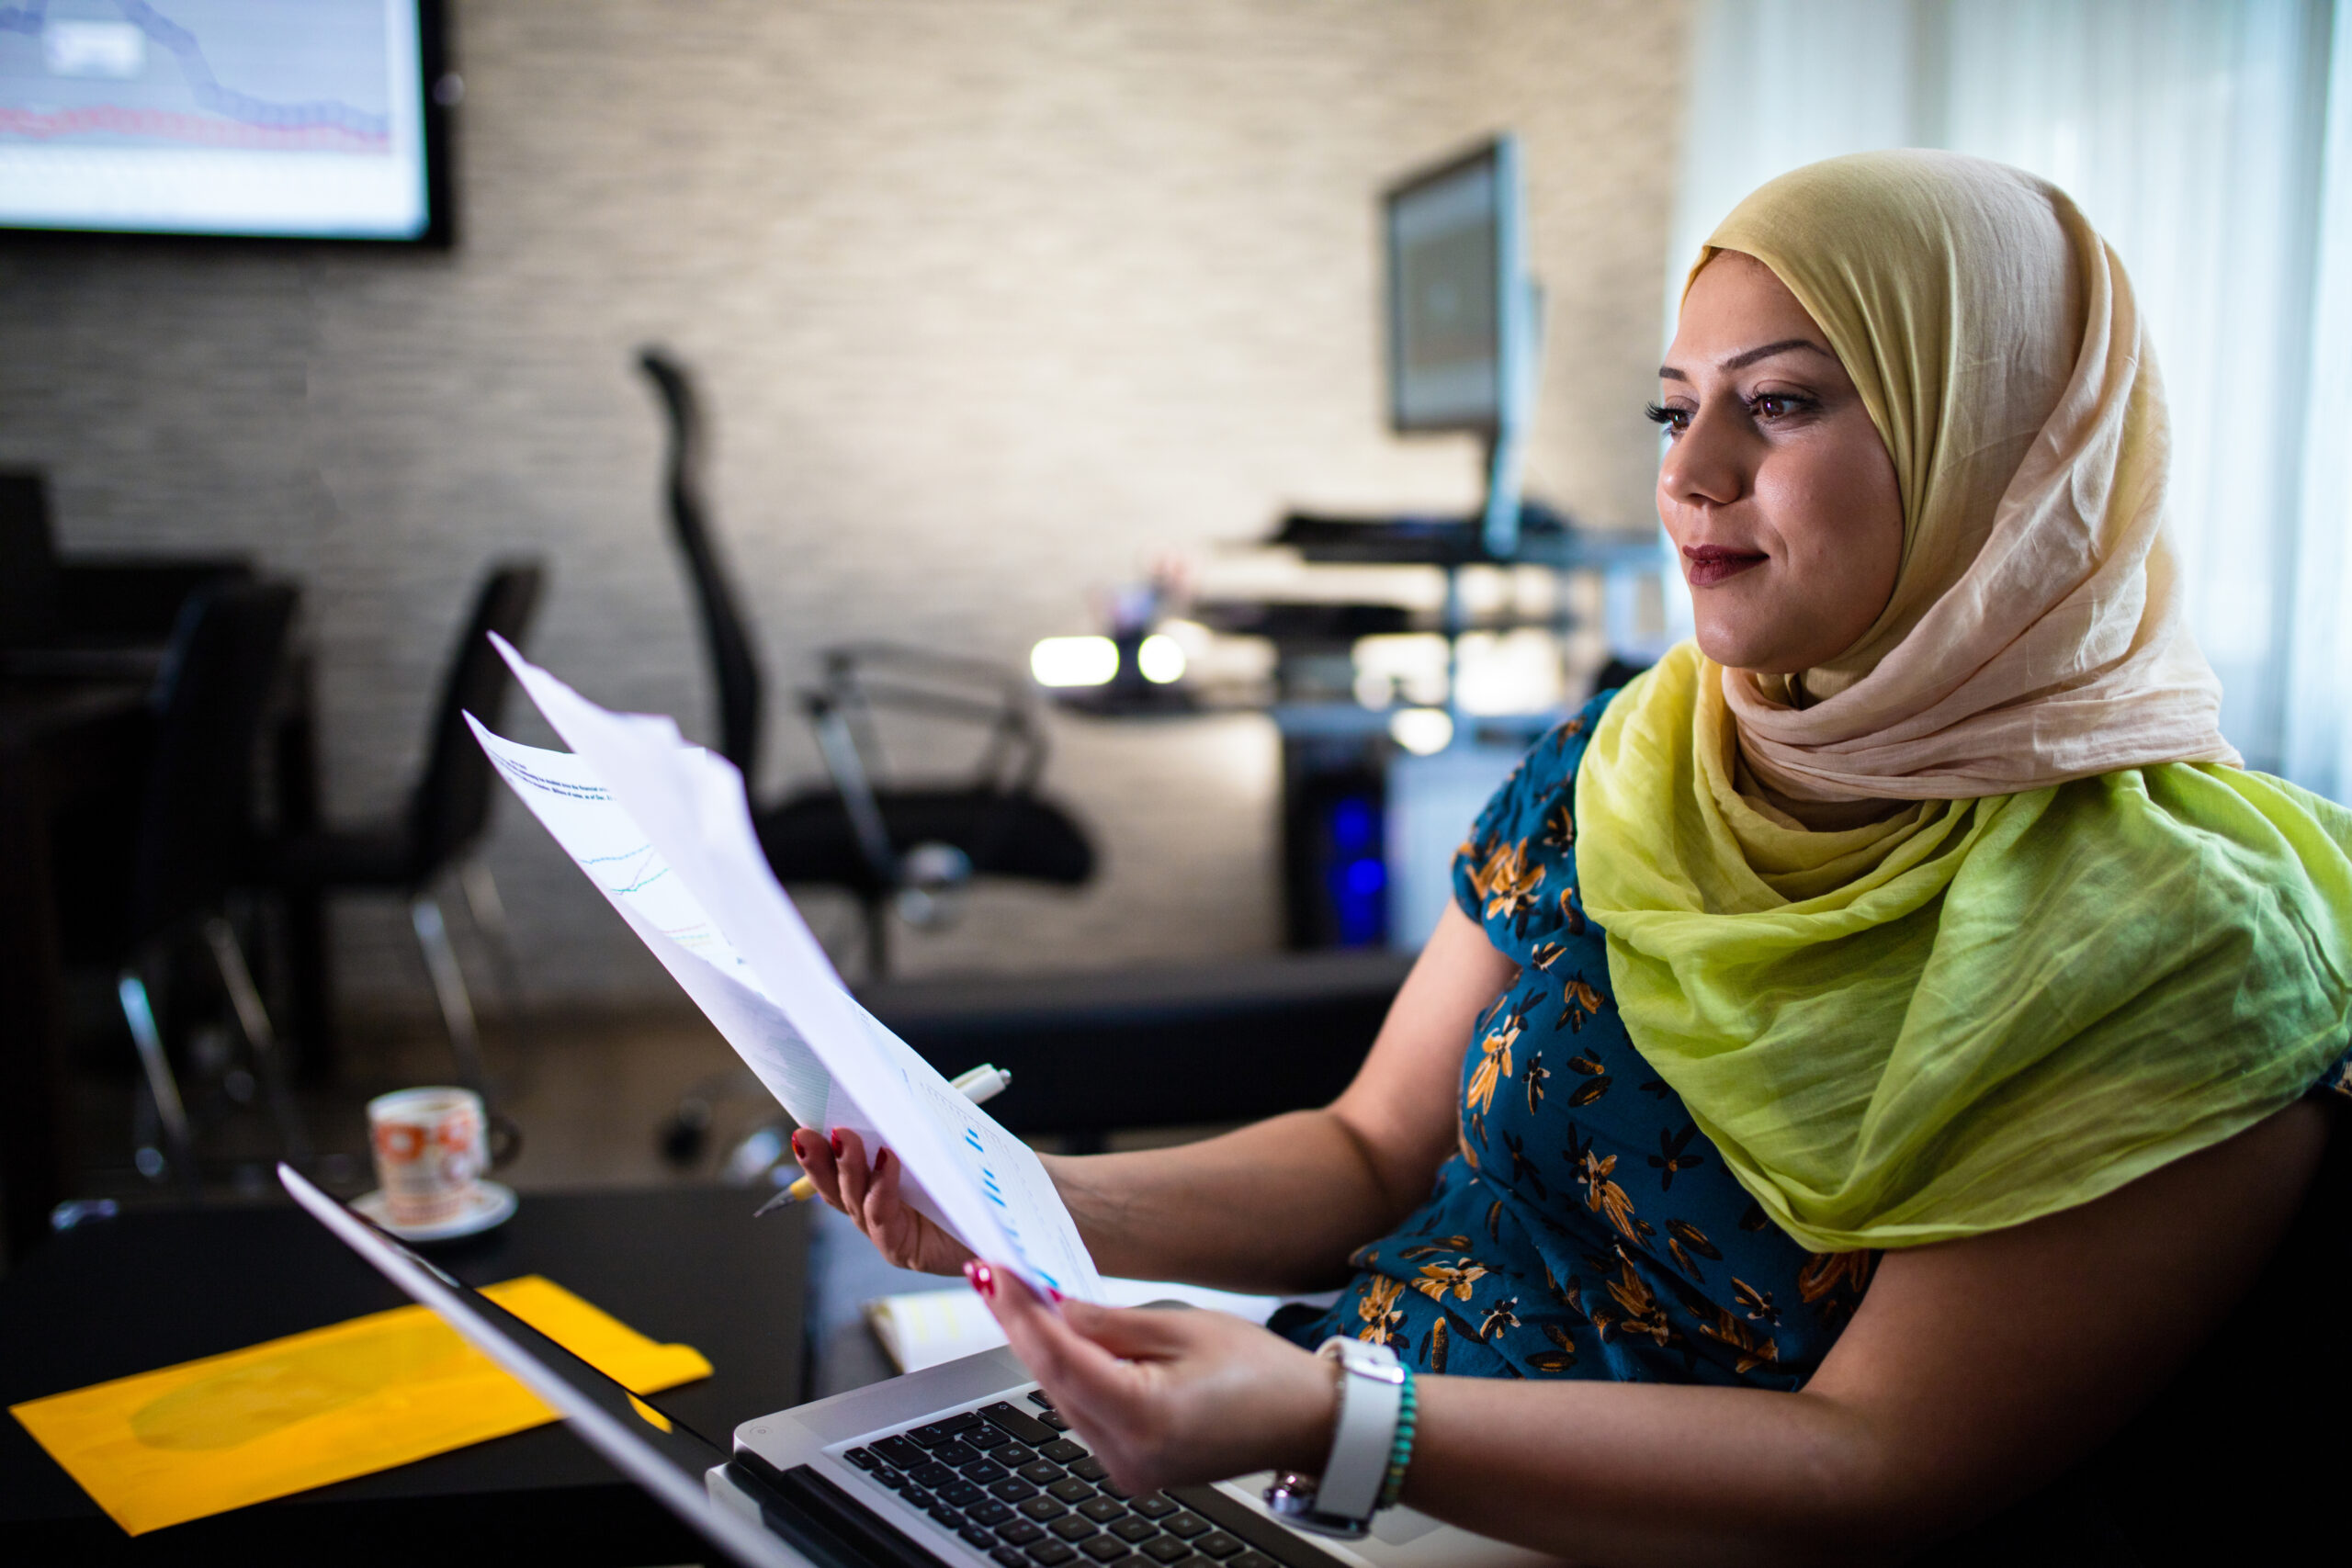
{"type": "Point", "coordinates": [260, 117]}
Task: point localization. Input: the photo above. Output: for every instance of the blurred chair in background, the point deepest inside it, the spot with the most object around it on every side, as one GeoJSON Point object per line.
{"type": "Point", "coordinates": [436, 832]}
{"type": "Point", "coordinates": [191, 843]}
{"type": "Point", "coordinates": [67, 618]}
{"type": "Point", "coordinates": [991, 824]}
{"type": "Point", "coordinates": [29, 585]}
{"type": "Point", "coordinates": [908, 848]}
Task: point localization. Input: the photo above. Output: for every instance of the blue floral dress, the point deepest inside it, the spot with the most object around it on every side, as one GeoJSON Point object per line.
{"type": "Point", "coordinates": [1584, 1227]}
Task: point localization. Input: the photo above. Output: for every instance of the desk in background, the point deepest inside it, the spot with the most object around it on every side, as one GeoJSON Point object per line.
{"type": "Point", "coordinates": [75, 721]}
{"type": "Point", "coordinates": [157, 1287]}
{"type": "Point", "coordinates": [55, 741]}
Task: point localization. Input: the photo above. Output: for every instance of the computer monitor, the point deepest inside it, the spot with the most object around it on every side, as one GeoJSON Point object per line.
{"type": "Point", "coordinates": [1462, 312]}
{"type": "Point", "coordinates": [317, 120]}
{"type": "Point", "coordinates": [1456, 291]}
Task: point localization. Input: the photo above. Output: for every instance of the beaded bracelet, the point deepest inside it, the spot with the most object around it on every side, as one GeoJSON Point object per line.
{"type": "Point", "coordinates": [1400, 1451]}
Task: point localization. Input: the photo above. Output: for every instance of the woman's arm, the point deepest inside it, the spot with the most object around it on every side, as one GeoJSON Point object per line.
{"type": "Point", "coordinates": [1278, 1205]}
{"type": "Point", "coordinates": [1973, 1371]}
{"type": "Point", "coordinates": [1275, 1206]}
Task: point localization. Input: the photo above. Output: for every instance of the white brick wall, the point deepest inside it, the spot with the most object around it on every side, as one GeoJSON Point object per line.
{"type": "Point", "coordinates": [993, 300]}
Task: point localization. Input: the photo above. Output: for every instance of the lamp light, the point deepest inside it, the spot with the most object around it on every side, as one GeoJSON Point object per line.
{"type": "Point", "coordinates": [1160, 660]}
{"type": "Point", "coordinates": [1075, 660]}
{"type": "Point", "coordinates": [1422, 731]}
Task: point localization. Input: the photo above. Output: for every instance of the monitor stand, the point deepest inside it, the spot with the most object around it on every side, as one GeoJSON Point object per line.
{"type": "Point", "coordinates": [1499, 527]}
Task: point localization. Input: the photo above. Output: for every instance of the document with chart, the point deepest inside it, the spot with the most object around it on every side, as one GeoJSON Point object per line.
{"type": "Point", "coordinates": [664, 828]}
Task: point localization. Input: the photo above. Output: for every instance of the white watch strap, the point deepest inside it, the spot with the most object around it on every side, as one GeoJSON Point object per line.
{"type": "Point", "coordinates": [1372, 1396]}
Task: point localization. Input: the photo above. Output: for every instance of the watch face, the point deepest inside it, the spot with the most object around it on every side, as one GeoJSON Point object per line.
{"type": "Point", "coordinates": [1378, 1360]}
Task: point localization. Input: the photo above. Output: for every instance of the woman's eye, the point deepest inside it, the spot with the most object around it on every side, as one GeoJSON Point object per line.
{"type": "Point", "coordinates": [1775, 405]}
{"type": "Point", "coordinates": [1671, 419]}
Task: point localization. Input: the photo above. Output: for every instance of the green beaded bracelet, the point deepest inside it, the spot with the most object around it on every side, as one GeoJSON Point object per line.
{"type": "Point", "coordinates": [1400, 1451]}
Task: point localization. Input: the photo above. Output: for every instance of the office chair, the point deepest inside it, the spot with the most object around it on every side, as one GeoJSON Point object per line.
{"type": "Point", "coordinates": [190, 843]}
{"type": "Point", "coordinates": [897, 848]}
{"type": "Point", "coordinates": [29, 574]}
{"type": "Point", "coordinates": [65, 619]}
{"type": "Point", "coordinates": [436, 832]}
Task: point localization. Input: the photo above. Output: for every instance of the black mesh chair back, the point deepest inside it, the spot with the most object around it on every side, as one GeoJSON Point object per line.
{"type": "Point", "coordinates": [29, 588]}
{"type": "Point", "coordinates": [451, 805]}
{"type": "Point", "coordinates": [734, 666]}
{"type": "Point", "coordinates": [196, 821]}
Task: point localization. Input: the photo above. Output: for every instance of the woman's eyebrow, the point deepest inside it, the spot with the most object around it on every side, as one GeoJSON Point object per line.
{"type": "Point", "coordinates": [1746, 357]}
{"type": "Point", "coordinates": [1742, 361]}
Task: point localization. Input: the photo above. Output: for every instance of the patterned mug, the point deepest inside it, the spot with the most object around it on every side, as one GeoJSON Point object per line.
{"type": "Point", "coordinates": [430, 1151]}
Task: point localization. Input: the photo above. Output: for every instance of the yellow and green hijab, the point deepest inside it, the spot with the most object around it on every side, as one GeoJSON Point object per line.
{"type": "Point", "coordinates": [2091, 943]}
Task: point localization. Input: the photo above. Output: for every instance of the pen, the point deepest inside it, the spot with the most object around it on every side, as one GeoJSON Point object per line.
{"type": "Point", "coordinates": [979, 1086]}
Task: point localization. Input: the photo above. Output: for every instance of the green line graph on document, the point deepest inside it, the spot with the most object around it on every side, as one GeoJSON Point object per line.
{"type": "Point", "coordinates": [613, 851]}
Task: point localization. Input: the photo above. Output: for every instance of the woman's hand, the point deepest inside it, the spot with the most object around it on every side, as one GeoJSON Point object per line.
{"type": "Point", "coordinates": [871, 1198]}
{"type": "Point", "coordinates": [1165, 1398]}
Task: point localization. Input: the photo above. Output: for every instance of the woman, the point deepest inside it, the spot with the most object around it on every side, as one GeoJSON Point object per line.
{"type": "Point", "coordinates": [1908, 950]}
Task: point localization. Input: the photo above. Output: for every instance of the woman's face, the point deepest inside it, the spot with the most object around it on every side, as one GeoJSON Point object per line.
{"type": "Point", "coordinates": [1775, 486]}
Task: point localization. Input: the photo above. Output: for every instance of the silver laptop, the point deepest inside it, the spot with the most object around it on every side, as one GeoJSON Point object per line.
{"type": "Point", "coordinates": [965, 1463]}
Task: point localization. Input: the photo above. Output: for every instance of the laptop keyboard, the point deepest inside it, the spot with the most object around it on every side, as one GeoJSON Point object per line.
{"type": "Point", "coordinates": [1013, 1484]}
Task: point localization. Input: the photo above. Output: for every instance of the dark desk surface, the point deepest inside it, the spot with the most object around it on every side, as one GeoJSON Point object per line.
{"type": "Point", "coordinates": [157, 1287]}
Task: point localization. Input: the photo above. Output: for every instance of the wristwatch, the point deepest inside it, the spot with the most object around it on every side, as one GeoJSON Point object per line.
{"type": "Point", "coordinates": [1368, 1447]}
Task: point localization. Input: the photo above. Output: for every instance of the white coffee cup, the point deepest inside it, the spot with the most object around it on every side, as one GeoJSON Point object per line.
{"type": "Point", "coordinates": [431, 1149]}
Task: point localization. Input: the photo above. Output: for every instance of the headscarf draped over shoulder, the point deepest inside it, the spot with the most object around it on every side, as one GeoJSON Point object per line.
{"type": "Point", "coordinates": [2093, 944]}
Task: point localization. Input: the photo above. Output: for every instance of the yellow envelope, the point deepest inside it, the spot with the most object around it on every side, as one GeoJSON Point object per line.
{"type": "Point", "coordinates": [350, 1399]}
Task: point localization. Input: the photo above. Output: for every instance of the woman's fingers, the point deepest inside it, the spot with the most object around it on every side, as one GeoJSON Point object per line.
{"type": "Point", "coordinates": [849, 1158]}
{"type": "Point", "coordinates": [817, 1162]}
{"type": "Point", "coordinates": [872, 1201]}
{"type": "Point", "coordinates": [1099, 1393]}
{"type": "Point", "coordinates": [888, 1221]}
{"type": "Point", "coordinates": [1046, 1345]}
{"type": "Point", "coordinates": [883, 1211]}
{"type": "Point", "coordinates": [1165, 1397]}
{"type": "Point", "coordinates": [897, 1229]}
{"type": "Point", "coordinates": [1132, 1333]}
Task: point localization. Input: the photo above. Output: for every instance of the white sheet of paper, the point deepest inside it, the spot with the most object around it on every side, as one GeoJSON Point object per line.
{"type": "Point", "coordinates": [982, 1184]}
{"type": "Point", "coordinates": [582, 816]}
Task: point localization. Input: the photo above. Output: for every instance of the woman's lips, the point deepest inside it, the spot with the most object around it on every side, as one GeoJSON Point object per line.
{"type": "Point", "coordinates": [1703, 566]}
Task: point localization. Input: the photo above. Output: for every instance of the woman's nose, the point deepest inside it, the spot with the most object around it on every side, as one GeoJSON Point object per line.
{"type": "Point", "coordinates": [1707, 465]}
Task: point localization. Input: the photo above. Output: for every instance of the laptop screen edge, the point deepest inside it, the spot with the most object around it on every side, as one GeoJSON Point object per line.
{"type": "Point", "coordinates": [619, 1447]}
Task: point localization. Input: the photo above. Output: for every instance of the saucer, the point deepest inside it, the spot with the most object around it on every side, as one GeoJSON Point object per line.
{"type": "Point", "coordinates": [493, 1205]}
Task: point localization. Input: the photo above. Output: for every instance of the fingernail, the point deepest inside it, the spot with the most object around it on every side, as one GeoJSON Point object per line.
{"type": "Point", "coordinates": [837, 1142]}
{"type": "Point", "coordinates": [1052, 1293]}
{"type": "Point", "coordinates": [797, 1152]}
{"type": "Point", "coordinates": [983, 1278]}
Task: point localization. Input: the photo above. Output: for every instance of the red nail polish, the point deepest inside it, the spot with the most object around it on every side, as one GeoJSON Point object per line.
{"type": "Point", "coordinates": [797, 1152]}
{"type": "Point", "coordinates": [983, 1278]}
{"type": "Point", "coordinates": [837, 1143]}
{"type": "Point", "coordinates": [1052, 1293]}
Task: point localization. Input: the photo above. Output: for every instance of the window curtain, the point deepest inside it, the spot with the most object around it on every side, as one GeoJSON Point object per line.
{"type": "Point", "coordinates": [2211, 143]}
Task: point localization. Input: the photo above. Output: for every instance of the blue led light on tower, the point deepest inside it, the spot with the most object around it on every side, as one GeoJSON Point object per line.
{"type": "Point", "coordinates": [1357, 878]}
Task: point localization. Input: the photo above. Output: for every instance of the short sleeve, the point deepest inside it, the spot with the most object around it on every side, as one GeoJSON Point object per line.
{"type": "Point", "coordinates": [1514, 813]}
{"type": "Point", "coordinates": [1495, 829]}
